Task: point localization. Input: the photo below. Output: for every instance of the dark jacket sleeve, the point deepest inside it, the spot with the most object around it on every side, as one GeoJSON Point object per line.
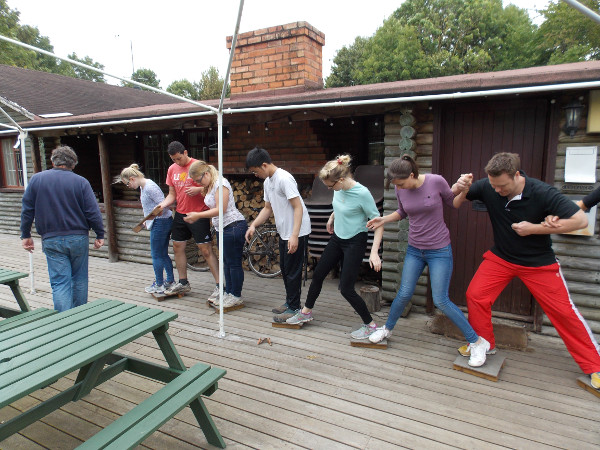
{"type": "Point", "coordinates": [28, 208]}
{"type": "Point", "coordinates": [92, 211]}
{"type": "Point", "coordinates": [592, 199]}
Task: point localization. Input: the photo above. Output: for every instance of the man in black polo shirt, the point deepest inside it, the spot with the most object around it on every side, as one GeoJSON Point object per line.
{"type": "Point", "coordinates": [517, 206]}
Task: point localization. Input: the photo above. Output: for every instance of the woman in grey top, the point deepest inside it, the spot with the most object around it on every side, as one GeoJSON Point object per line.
{"type": "Point", "coordinates": [160, 228]}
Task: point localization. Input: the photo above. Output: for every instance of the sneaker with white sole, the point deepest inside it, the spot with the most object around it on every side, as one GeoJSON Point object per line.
{"type": "Point", "coordinates": [595, 380]}
{"type": "Point", "coordinates": [478, 353]}
{"type": "Point", "coordinates": [284, 316]}
{"type": "Point", "coordinates": [363, 332]}
{"type": "Point", "coordinates": [152, 288]}
{"type": "Point", "coordinates": [215, 295]}
{"type": "Point", "coordinates": [300, 317]}
{"type": "Point", "coordinates": [465, 351]}
{"type": "Point", "coordinates": [379, 335]}
{"type": "Point", "coordinates": [231, 300]}
{"type": "Point", "coordinates": [168, 285]}
{"type": "Point", "coordinates": [178, 288]}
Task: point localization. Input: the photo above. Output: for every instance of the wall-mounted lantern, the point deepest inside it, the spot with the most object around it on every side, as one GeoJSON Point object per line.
{"type": "Point", "coordinates": [572, 117]}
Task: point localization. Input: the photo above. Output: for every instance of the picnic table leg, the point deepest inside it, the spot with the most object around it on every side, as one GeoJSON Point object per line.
{"type": "Point", "coordinates": [212, 434]}
{"type": "Point", "coordinates": [18, 293]}
{"type": "Point", "coordinates": [168, 349]}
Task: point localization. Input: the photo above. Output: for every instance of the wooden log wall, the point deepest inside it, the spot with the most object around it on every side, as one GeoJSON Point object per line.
{"type": "Point", "coordinates": [408, 131]}
{"type": "Point", "coordinates": [579, 256]}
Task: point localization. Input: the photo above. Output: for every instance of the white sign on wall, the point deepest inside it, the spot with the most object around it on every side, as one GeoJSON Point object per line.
{"type": "Point", "coordinates": [580, 165]}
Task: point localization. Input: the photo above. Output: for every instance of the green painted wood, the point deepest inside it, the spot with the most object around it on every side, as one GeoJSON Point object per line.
{"type": "Point", "coordinates": [23, 319]}
{"type": "Point", "coordinates": [168, 349]}
{"type": "Point", "coordinates": [34, 414]}
{"type": "Point", "coordinates": [74, 347]}
{"type": "Point", "coordinates": [11, 279]}
{"type": "Point", "coordinates": [135, 426]}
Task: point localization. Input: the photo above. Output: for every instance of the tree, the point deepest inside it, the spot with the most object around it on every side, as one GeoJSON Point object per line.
{"type": "Point", "coordinates": [82, 73]}
{"type": "Point", "coordinates": [429, 38]}
{"type": "Point", "coordinates": [184, 88]}
{"type": "Point", "coordinates": [347, 64]}
{"type": "Point", "coordinates": [209, 86]}
{"type": "Point", "coordinates": [145, 76]}
{"type": "Point", "coordinates": [14, 55]}
{"type": "Point", "coordinates": [566, 35]}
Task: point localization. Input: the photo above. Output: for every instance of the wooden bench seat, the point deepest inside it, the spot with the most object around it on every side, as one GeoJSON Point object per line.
{"type": "Point", "coordinates": [139, 423]}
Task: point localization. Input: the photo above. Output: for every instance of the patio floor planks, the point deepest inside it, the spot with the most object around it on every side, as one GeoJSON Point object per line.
{"type": "Point", "coordinates": [310, 388]}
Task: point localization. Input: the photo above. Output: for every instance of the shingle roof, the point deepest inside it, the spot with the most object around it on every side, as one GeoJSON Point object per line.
{"type": "Point", "coordinates": [47, 93]}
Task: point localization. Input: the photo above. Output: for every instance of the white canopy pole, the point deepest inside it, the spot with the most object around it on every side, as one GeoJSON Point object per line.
{"type": "Point", "coordinates": [21, 143]}
{"type": "Point", "coordinates": [583, 10]}
{"type": "Point", "coordinates": [220, 168]}
{"type": "Point", "coordinates": [95, 69]}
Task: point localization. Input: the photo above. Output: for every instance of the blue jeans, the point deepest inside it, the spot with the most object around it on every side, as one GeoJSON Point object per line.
{"type": "Point", "coordinates": [67, 258]}
{"type": "Point", "coordinates": [233, 247]}
{"type": "Point", "coordinates": [440, 270]}
{"type": "Point", "coordinates": [160, 234]}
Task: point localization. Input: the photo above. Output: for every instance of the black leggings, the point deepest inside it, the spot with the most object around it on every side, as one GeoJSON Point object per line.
{"type": "Point", "coordinates": [352, 251]}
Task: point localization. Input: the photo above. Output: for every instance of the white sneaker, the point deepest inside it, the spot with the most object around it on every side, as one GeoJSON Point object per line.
{"type": "Point", "coordinates": [232, 300]}
{"type": "Point", "coordinates": [215, 295]}
{"type": "Point", "coordinates": [215, 302]}
{"type": "Point", "coordinates": [478, 353]}
{"type": "Point", "coordinates": [379, 335]}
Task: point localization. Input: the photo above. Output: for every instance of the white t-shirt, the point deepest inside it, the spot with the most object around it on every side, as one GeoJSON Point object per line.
{"type": "Point", "coordinates": [231, 214]}
{"type": "Point", "coordinates": [279, 189]}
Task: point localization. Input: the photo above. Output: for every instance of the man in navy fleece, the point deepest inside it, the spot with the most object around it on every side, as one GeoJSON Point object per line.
{"type": "Point", "coordinates": [64, 208]}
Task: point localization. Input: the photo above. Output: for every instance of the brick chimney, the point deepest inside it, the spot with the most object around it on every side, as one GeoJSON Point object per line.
{"type": "Point", "coordinates": [286, 57]}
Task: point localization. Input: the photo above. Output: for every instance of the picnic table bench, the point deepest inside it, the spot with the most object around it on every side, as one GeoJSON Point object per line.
{"type": "Point", "coordinates": [11, 278]}
{"type": "Point", "coordinates": [38, 352]}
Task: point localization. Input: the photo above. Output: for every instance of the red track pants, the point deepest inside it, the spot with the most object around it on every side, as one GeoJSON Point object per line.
{"type": "Point", "coordinates": [549, 288]}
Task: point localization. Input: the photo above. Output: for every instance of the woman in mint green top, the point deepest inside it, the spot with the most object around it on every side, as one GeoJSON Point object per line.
{"type": "Point", "coordinates": [353, 206]}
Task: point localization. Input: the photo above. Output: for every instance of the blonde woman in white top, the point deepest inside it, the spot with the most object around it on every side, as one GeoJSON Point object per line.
{"type": "Point", "coordinates": [234, 228]}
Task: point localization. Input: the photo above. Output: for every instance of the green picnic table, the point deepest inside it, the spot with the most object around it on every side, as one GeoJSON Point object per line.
{"type": "Point", "coordinates": [84, 339]}
{"type": "Point", "coordinates": [11, 279]}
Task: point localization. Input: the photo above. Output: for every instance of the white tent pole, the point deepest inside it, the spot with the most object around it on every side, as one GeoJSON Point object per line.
{"type": "Point", "coordinates": [583, 10]}
{"type": "Point", "coordinates": [221, 271]}
{"type": "Point", "coordinates": [95, 69]}
{"type": "Point", "coordinates": [22, 137]}
{"type": "Point", "coordinates": [220, 168]}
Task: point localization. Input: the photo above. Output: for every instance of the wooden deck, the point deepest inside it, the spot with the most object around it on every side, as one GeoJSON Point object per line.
{"type": "Point", "coordinates": [311, 389]}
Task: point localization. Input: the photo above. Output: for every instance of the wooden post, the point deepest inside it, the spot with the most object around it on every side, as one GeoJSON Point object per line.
{"type": "Point", "coordinates": [35, 154]}
{"type": "Point", "coordinates": [372, 297]}
{"type": "Point", "coordinates": [111, 232]}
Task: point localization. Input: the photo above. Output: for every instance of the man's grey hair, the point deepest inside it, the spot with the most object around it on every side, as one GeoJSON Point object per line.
{"type": "Point", "coordinates": [64, 156]}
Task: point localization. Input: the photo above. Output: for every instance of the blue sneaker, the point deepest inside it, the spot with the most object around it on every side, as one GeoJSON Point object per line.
{"type": "Point", "coordinates": [152, 288]}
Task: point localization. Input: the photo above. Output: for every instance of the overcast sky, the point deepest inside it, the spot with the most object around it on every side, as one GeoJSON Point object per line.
{"type": "Point", "coordinates": [180, 39]}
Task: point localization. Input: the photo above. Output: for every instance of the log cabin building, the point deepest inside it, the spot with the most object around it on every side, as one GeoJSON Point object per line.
{"type": "Point", "coordinates": [451, 125]}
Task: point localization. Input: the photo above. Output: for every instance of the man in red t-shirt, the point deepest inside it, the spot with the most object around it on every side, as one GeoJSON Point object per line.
{"type": "Point", "coordinates": [189, 198]}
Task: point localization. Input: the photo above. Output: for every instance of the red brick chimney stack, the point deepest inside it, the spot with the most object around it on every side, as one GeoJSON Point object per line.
{"type": "Point", "coordinates": [283, 57]}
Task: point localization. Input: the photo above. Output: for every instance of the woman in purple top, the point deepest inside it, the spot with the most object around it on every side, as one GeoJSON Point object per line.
{"type": "Point", "coordinates": [421, 198]}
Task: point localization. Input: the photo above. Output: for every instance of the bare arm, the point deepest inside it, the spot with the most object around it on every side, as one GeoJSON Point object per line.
{"type": "Point", "coordinates": [576, 222]}
{"type": "Point", "coordinates": [170, 198]}
{"type": "Point", "coordinates": [374, 259]}
{"type": "Point", "coordinates": [262, 217]}
{"type": "Point", "coordinates": [213, 212]}
{"type": "Point", "coordinates": [378, 222]}
{"type": "Point", "coordinates": [293, 241]}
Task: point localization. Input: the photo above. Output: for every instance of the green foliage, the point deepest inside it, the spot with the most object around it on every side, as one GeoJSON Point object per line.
{"type": "Point", "coordinates": [14, 55]}
{"type": "Point", "coordinates": [184, 88]}
{"type": "Point", "coordinates": [566, 35]}
{"type": "Point", "coordinates": [430, 38]}
{"type": "Point", "coordinates": [145, 76]}
{"type": "Point", "coordinates": [81, 72]}
{"type": "Point", "coordinates": [209, 87]}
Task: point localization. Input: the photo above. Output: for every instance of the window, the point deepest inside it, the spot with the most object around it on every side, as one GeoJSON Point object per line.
{"type": "Point", "coordinates": [11, 164]}
{"type": "Point", "coordinates": [157, 159]}
{"type": "Point", "coordinates": [375, 136]}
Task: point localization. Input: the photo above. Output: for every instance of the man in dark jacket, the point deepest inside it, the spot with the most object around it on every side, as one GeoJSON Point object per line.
{"type": "Point", "coordinates": [64, 208]}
